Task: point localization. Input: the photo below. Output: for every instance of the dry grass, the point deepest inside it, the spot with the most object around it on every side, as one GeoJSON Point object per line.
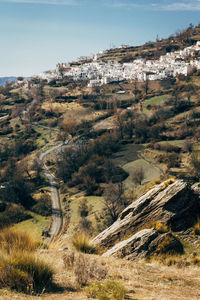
{"type": "Point", "coordinates": [20, 267]}
{"type": "Point", "coordinates": [106, 290]}
{"type": "Point", "coordinates": [82, 243]}
{"type": "Point", "coordinates": [11, 240]}
{"type": "Point", "coordinates": [161, 228]}
{"type": "Point", "coordinates": [144, 281]}
{"type": "Point", "coordinates": [24, 271]}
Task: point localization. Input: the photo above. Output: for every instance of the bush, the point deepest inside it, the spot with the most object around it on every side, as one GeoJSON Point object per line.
{"type": "Point", "coordinates": [161, 228]}
{"type": "Point", "coordinates": [170, 245]}
{"type": "Point", "coordinates": [15, 279]}
{"type": "Point", "coordinates": [172, 160]}
{"type": "Point", "coordinates": [196, 228]}
{"type": "Point", "coordinates": [82, 243]}
{"type": "Point", "coordinates": [43, 206]}
{"type": "Point", "coordinates": [107, 290]}
{"type": "Point", "coordinates": [84, 268]}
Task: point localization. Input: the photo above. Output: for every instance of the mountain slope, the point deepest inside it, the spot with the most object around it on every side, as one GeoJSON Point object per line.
{"type": "Point", "coordinates": [3, 80]}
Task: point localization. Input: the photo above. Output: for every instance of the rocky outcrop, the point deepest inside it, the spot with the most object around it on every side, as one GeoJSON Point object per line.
{"type": "Point", "coordinates": [174, 204]}
{"type": "Point", "coordinates": [145, 243]}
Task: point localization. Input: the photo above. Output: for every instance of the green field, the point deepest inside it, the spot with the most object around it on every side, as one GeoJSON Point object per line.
{"type": "Point", "coordinates": [156, 100]}
{"type": "Point", "coordinates": [96, 204]}
{"type": "Point", "coordinates": [150, 172]}
{"type": "Point", "coordinates": [178, 143]}
{"type": "Point", "coordinates": [127, 154]}
{"type": "Point", "coordinates": [35, 225]}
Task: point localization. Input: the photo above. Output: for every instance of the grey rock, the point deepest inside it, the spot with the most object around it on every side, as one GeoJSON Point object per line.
{"type": "Point", "coordinates": [175, 205]}
{"type": "Point", "coordinates": [145, 243]}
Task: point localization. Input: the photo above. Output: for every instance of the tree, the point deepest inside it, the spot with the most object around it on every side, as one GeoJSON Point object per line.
{"type": "Point", "coordinates": [83, 210]}
{"type": "Point", "coordinates": [120, 123]}
{"type": "Point", "coordinates": [146, 86]}
{"type": "Point", "coordinates": [138, 176]}
{"type": "Point", "coordinates": [114, 199]}
{"type": "Point", "coordinates": [195, 163]}
{"type": "Point", "coordinates": [19, 189]}
{"type": "Point", "coordinates": [20, 78]}
{"type": "Point", "coordinates": [61, 70]}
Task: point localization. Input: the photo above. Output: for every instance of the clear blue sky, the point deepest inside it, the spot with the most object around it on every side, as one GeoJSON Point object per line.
{"type": "Point", "coordinates": [37, 34]}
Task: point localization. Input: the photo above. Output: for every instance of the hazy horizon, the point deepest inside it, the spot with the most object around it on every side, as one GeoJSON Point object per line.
{"type": "Point", "coordinates": [38, 34]}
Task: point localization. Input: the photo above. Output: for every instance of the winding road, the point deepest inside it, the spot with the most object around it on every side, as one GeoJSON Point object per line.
{"type": "Point", "coordinates": [57, 217]}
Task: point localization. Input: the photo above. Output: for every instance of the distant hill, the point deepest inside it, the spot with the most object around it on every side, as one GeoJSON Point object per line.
{"type": "Point", "coordinates": [8, 79]}
{"type": "Point", "coordinates": [153, 50]}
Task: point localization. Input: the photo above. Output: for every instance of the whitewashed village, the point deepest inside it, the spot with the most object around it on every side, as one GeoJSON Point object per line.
{"type": "Point", "coordinates": [97, 72]}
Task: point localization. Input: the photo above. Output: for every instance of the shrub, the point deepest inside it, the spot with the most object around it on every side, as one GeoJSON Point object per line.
{"type": "Point", "coordinates": [196, 260]}
{"type": "Point", "coordinates": [43, 206]}
{"type": "Point", "coordinates": [107, 290]}
{"type": "Point", "coordinates": [13, 214]}
{"type": "Point", "coordinates": [157, 181]}
{"type": "Point", "coordinates": [82, 243]}
{"type": "Point", "coordinates": [15, 279]}
{"type": "Point", "coordinates": [12, 240]}
{"type": "Point", "coordinates": [196, 228]}
{"type": "Point", "coordinates": [161, 228]}
{"type": "Point", "coordinates": [84, 268]}
{"type": "Point", "coordinates": [170, 245]}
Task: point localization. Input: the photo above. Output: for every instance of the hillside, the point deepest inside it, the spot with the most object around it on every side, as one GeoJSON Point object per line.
{"type": "Point", "coordinates": [153, 50]}
{"type": "Point", "coordinates": [81, 163]}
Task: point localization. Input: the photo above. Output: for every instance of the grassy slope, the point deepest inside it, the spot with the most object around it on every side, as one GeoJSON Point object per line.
{"type": "Point", "coordinates": [150, 172]}
{"type": "Point", "coordinates": [96, 204]}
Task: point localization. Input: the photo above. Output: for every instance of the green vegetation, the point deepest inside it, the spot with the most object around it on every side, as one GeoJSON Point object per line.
{"type": "Point", "coordinates": [156, 100]}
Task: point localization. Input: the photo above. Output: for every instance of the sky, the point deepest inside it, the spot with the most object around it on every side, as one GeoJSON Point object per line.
{"type": "Point", "coordinates": [35, 35]}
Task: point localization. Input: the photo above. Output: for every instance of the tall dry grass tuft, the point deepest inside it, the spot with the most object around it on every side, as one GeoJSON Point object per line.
{"type": "Point", "coordinates": [20, 267]}
{"type": "Point", "coordinates": [11, 240]}
{"type": "Point", "coordinates": [82, 243]}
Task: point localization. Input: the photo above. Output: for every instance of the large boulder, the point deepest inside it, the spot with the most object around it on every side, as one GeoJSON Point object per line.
{"type": "Point", "coordinates": [174, 204]}
{"type": "Point", "coordinates": [145, 243]}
